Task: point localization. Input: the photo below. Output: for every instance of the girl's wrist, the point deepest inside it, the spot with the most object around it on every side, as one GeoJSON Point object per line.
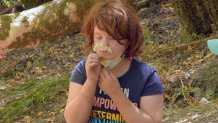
{"type": "Point", "coordinates": [116, 94]}
{"type": "Point", "coordinates": [119, 98]}
{"type": "Point", "coordinates": [91, 81]}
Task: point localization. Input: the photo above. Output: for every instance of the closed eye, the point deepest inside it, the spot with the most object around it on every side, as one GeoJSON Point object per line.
{"type": "Point", "coordinates": [98, 37]}
{"type": "Point", "coordinates": [110, 38]}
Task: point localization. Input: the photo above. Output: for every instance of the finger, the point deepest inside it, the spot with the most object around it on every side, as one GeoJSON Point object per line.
{"type": "Point", "coordinates": [93, 64]}
{"type": "Point", "coordinates": [99, 55]}
{"type": "Point", "coordinates": [101, 78]}
{"type": "Point", "coordinates": [102, 73]}
{"type": "Point", "coordinates": [110, 73]}
{"type": "Point", "coordinates": [94, 61]}
{"type": "Point", "coordinates": [105, 72]}
{"type": "Point", "coordinates": [94, 55]}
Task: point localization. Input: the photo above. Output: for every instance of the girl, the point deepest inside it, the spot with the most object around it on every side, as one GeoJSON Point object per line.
{"type": "Point", "coordinates": [128, 91]}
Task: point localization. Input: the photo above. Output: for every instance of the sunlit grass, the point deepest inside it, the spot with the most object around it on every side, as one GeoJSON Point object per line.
{"type": "Point", "coordinates": [34, 96]}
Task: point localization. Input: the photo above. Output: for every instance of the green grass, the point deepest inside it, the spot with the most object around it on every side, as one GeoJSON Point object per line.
{"type": "Point", "coordinates": [205, 113]}
{"type": "Point", "coordinates": [34, 96]}
{"type": "Point", "coordinates": [147, 35]}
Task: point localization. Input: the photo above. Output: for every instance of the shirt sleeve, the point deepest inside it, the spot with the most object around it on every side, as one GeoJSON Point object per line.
{"type": "Point", "coordinates": [153, 85]}
{"type": "Point", "coordinates": [78, 75]}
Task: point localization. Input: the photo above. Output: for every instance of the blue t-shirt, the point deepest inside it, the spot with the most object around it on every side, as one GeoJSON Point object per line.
{"type": "Point", "coordinates": [140, 80]}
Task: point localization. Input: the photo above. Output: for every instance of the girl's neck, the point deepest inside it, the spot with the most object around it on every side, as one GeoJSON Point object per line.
{"type": "Point", "coordinates": [121, 68]}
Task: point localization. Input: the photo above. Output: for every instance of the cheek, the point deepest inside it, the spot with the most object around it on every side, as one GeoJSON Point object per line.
{"type": "Point", "coordinates": [95, 41]}
{"type": "Point", "coordinates": [119, 48]}
{"type": "Point", "coordinates": [123, 48]}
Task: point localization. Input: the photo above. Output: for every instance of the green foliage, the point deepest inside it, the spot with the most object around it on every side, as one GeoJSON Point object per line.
{"type": "Point", "coordinates": [210, 75]}
{"type": "Point", "coordinates": [10, 73]}
{"type": "Point", "coordinates": [84, 5]}
{"type": "Point", "coordinates": [147, 35]}
{"type": "Point", "coordinates": [195, 36]}
{"type": "Point", "coordinates": [25, 21]}
{"type": "Point", "coordinates": [26, 3]}
{"type": "Point", "coordinates": [210, 92]}
{"type": "Point", "coordinates": [4, 26]}
{"type": "Point", "coordinates": [8, 3]}
{"type": "Point", "coordinates": [188, 37]}
{"type": "Point", "coordinates": [32, 95]}
{"type": "Point", "coordinates": [39, 63]}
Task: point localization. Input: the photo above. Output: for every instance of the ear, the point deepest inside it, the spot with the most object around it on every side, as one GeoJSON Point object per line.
{"type": "Point", "coordinates": [126, 50]}
{"type": "Point", "coordinates": [127, 45]}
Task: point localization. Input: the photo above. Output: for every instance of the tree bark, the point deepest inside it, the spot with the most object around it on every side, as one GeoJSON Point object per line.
{"type": "Point", "coordinates": [33, 3]}
{"type": "Point", "coordinates": [212, 10]}
{"type": "Point", "coordinates": [42, 24]}
{"type": "Point", "coordinates": [197, 16]}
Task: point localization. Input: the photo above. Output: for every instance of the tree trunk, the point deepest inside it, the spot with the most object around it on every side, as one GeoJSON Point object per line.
{"type": "Point", "coordinates": [212, 9]}
{"type": "Point", "coordinates": [197, 16]}
{"type": "Point", "coordinates": [42, 24]}
{"type": "Point", "coordinates": [33, 3]}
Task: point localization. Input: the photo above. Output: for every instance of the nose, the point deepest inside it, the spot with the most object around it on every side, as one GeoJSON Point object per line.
{"type": "Point", "coordinates": [105, 42]}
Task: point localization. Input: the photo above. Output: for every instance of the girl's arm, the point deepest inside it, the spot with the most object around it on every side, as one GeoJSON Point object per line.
{"type": "Point", "coordinates": [151, 108]}
{"type": "Point", "coordinates": [80, 99]}
{"type": "Point", "coordinates": [79, 102]}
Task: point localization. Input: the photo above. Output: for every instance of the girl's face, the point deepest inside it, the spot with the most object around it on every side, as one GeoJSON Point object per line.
{"type": "Point", "coordinates": [102, 37]}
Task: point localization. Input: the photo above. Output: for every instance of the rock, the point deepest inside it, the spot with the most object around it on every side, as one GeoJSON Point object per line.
{"type": "Point", "coordinates": [204, 101]}
{"type": "Point", "coordinates": [2, 88]}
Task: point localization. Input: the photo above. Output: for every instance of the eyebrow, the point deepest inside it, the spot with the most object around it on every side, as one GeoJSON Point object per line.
{"type": "Point", "coordinates": [97, 33]}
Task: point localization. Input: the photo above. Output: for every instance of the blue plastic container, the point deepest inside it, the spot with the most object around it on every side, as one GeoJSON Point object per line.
{"type": "Point", "coordinates": [213, 46]}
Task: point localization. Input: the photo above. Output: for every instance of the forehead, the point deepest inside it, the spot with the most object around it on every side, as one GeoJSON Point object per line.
{"type": "Point", "coordinates": [99, 31]}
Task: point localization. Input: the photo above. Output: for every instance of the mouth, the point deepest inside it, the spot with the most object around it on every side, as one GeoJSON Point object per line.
{"type": "Point", "coordinates": [104, 52]}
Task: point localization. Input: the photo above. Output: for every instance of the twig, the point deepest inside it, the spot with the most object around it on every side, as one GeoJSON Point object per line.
{"type": "Point", "coordinates": [183, 45]}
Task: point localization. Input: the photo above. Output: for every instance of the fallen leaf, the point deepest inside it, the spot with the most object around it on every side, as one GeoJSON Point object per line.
{"type": "Point", "coordinates": [27, 119]}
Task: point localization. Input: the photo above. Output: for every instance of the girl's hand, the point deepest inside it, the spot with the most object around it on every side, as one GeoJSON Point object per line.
{"type": "Point", "coordinates": [93, 67]}
{"type": "Point", "coordinates": [108, 82]}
